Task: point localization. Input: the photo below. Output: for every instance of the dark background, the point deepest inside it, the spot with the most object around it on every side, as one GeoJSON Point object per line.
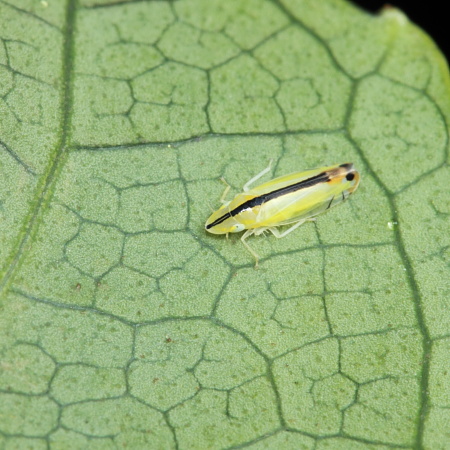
{"type": "Point", "coordinates": [430, 15]}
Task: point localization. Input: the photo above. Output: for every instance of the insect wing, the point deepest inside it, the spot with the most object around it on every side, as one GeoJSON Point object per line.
{"type": "Point", "coordinates": [286, 180]}
{"type": "Point", "coordinates": [318, 191]}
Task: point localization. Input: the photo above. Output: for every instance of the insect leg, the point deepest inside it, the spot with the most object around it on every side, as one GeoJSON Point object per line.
{"type": "Point", "coordinates": [243, 238]}
{"type": "Point", "coordinates": [225, 192]}
{"type": "Point", "coordinates": [279, 235]}
{"type": "Point", "coordinates": [257, 177]}
{"type": "Point", "coordinates": [331, 201]}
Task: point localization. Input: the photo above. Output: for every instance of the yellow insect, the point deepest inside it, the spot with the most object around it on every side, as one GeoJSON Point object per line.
{"type": "Point", "coordinates": [288, 200]}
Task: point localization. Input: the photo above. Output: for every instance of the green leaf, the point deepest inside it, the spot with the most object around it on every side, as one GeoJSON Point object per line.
{"type": "Point", "coordinates": [123, 323]}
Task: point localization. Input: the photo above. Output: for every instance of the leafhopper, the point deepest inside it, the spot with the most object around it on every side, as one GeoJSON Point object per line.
{"type": "Point", "coordinates": [287, 200]}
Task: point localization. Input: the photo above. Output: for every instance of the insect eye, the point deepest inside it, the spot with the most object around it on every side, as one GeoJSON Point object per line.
{"type": "Point", "coordinates": [237, 228]}
{"type": "Point", "coordinates": [350, 176]}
